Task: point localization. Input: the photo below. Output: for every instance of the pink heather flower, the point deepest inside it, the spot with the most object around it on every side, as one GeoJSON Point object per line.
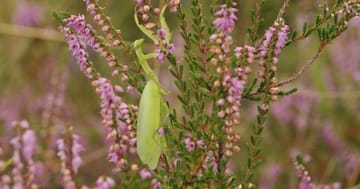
{"type": "Point", "coordinates": [139, 2]}
{"type": "Point", "coordinates": [24, 148]}
{"type": "Point", "coordinates": [281, 39]}
{"type": "Point", "coordinates": [117, 121]}
{"type": "Point", "coordinates": [226, 17]}
{"type": "Point", "coordinates": [271, 176]}
{"type": "Point", "coordinates": [86, 34]}
{"type": "Point", "coordinates": [332, 139]}
{"type": "Point", "coordinates": [5, 182]}
{"type": "Point", "coordinates": [235, 90]}
{"type": "Point", "coordinates": [200, 144]}
{"type": "Point", "coordinates": [69, 163]}
{"type": "Point", "coordinates": [118, 89]}
{"type": "Point", "coordinates": [28, 14]}
{"type": "Point", "coordinates": [105, 183]}
{"type": "Point", "coordinates": [303, 175]}
{"type": "Point", "coordinates": [109, 100]}
{"type": "Point", "coordinates": [247, 52]}
{"type": "Point", "coordinates": [130, 89]}
{"type": "Point", "coordinates": [29, 141]}
{"type": "Point", "coordinates": [278, 32]}
{"type": "Point", "coordinates": [190, 144]}
{"type": "Point", "coordinates": [220, 102]}
{"type": "Point", "coordinates": [161, 33]}
{"type": "Point", "coordinates": [155, 184]}
{"type": "Point", "coordinates": [267, 42]}
{"type": "Point", "coordinates": [160, 55]}
{"type": "Point", "coordinates": [76, 149]}
{"type": "Point", "coordinates": [78, 52]}
{"type": "Point", "coordinates": [170, 48]}
{"type": "Point", "coordinates": [335, 185]}
{"type": "Point", "coordinates": [84, 31]}
{"type": "Point", "coordinates": [145, 174]}
{"type": "Point", "coordinates": [64, 150]}
{"type": "Point", "coordinates": [161, 131]}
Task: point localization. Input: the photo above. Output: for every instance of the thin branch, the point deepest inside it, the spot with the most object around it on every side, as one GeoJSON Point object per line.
{"type": "Point", "coordinates": [283, 8]}
{"type": "Point", "coordinates": [31, 32]}
{"type": "Point", "coordinates": [303, 68]}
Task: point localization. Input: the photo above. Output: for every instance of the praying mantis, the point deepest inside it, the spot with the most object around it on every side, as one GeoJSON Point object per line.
{"type": "Point", "coordinates": [153, 109]}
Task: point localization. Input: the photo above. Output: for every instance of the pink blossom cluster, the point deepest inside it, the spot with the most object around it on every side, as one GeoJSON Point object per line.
{"type": "Point", "coordinates": [24, 149]}
{"type": "Point", "coordinates": [117, 120]}
{"type": "Point", "coordinates": [105, 183]}
{"type": "Point", "coordinates": [226, 18]}
{"type": "Point", "coordinates": [275, 41]}
{"type": "Point", "coordinates": [304, 177]}
{"type": "Point", "coordinates": [163, 48]}
{"type": "Point", "coordinates": [86, 34]}
{"type": "Point", "coordinates": [191, 144]}
{"type": "Point", "coordinates": [69, 149]}
{"type": "Point", "coordinates": [78, 50]}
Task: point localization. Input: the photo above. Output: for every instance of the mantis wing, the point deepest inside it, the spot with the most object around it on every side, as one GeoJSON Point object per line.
{"type": "Point", "coordinates": [148, 122]}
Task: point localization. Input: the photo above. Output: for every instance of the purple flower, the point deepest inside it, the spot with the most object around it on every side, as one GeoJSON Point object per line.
{"type": "Point", "coordinates": [303, 175]}
{"type": "Point", "coordinates": [118, 89]}
{"type": "Point", "coordinates": [139, 2]}
{"type": "Point", "coordinates": [28, 14]}
{"type": "Point", "coordinates": [117, 120]}
{"type": "Point", "coordinates": [272, 173]}
{"type": "Point", "coordinates": [161, 33]}
{"type": "Point", "coordinates": [105, 183]}
{"type": "Point", "coordinates": [200, 144]}
{"type": "Point", "coordinates": [78, 51]}
{"type": "Point", "coordinates": [69, 154]}
{"type": "Point", "coordinates": [29, 141]}
{"type": "Point", "coordinates": [5, 182]}
{"type": "Point", "coordinates": [76, 149]}
{"type": "Point", "coordinates": [161, 131]}
{"type": "Point", "coordinates": [236, 89]}
{"type": "Point", "coordinates": [190, 144]}
{"type": "Point", "coordinates": [86, 34]}
{"type": "Point", "coordinates": [145, 174]}
{"type": "Point", "coordinates": [275, 38]}
{"type": "Point", "coordinates": [226, 17]}
{"type": "Point", "coordinates": [247, 52]}
{"type": "Point", "coordinates": [281, 39]}
{"type": "Point", "coordinates": [170, 48]}
{"type": "Point", "coordinates": [155, 184]}
{"type": "Point", "coordinates": [24, 148]}
{"type": "Point", "coordinates": [160, 55]}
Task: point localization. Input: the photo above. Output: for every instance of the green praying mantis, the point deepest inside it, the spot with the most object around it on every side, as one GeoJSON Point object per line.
{"type": "Point", "coordinates": [153, 109]}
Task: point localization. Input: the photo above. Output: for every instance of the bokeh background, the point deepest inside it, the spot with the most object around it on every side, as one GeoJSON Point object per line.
{"type": "Point", "coordinates": [321, 121]}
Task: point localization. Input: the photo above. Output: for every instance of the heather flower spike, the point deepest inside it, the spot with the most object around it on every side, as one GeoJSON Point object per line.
{"type": "Point", "coordinates": [305, 181]}
{"type": "Point", "coordinates": [226, 18]}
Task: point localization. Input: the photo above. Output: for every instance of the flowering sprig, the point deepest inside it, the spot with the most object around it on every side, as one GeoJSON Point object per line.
{"type": "Point", "coordinates": [68, 151]}
{"type": "Point", "coordinates": [112, 34]}
{"type": "Point", "coordinates": [305, 181]}
{"type": "Point", "coordinates": [226, 18]}
{"type": "Point", "coordinates": [118, 122]}
{"type": "Point", "coordinates": [23, 173]}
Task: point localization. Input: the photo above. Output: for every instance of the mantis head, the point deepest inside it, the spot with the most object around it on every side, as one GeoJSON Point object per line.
{"type": "Point", "coordinates": [138, 43]}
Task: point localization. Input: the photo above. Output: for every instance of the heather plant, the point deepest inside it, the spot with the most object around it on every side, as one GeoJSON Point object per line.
{"type": "Point", "coordinates": [176, 114]}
